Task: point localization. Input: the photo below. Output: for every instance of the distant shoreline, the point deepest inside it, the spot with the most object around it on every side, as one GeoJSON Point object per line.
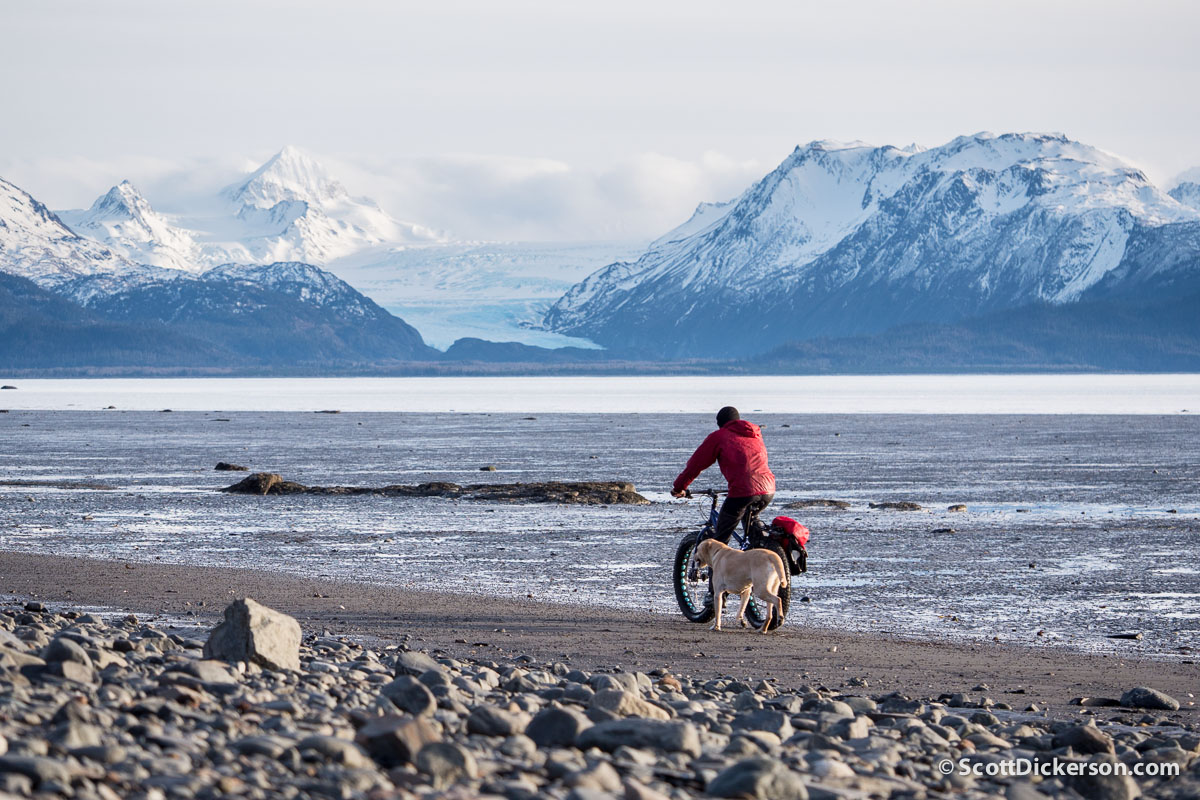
{"type": "Point", "coordinates": [470, 369]}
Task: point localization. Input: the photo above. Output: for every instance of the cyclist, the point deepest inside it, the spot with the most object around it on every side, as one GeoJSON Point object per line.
{"type": "Point", "coordinates": [737, 447]}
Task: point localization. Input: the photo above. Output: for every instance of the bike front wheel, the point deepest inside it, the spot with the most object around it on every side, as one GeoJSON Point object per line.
{"type": "Point", "coordinates": [756, 612]}
{"type": "Point", "coordinates": [692, 596]}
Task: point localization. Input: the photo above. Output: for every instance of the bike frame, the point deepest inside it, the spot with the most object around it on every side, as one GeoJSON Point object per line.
{"type": "Point", "coordinates": [738, 535]}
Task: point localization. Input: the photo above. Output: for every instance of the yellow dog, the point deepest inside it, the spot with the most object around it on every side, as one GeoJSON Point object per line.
{"type": "Point", "coordinates": [757, 571]}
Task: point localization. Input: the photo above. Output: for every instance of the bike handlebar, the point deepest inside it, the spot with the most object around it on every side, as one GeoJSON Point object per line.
{"type": "Point", "coordinates": [713, 493]}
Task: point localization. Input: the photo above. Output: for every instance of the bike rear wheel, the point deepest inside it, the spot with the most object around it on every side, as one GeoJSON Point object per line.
{"type": "Point", "coordinates": [690, 595]}
{"type": "Point", "coordinates": [757, 611]}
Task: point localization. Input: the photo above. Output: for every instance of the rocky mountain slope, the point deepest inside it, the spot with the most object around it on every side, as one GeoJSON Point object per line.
{"type": "Point", "coordinates": [39, 330]}
{"type": "Point", "coordinates": [286, 313]}
{"type": "Point", "coordinates": [845, 239]}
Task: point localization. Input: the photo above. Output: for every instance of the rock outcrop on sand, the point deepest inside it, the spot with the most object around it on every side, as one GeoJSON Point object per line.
{"type": "Point", "coordinates": [583, 493]}
{"type": "Point", "coordinates": [142, 713]}
{"type": "Point", "coordinates": [896, 505]}
{"type": "Point", "coordinates": [225, 466]}
{"type": "Point", "coordinates": [1145, 697]}
{"type": "Point", "coordinates": [841, 505]}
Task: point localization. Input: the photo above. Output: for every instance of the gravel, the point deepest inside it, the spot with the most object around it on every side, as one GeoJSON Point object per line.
{"type": "Point", "coordinates": [156, 719]}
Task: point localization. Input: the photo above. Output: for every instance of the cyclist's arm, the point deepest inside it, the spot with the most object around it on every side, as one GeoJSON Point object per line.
{"type": "Point", "coordinates": [704, 457]}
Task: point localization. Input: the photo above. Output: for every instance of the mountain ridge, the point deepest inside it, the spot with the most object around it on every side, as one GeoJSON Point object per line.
{"type": "Point", "coordinates": [842, 239]}
{"type": "Point", "coordinates": [248, 314]}
{"type": "Point", "coordinates": [288, 209]}
{"type": "Point", "coordinates": [42, 330]}
{"type": "Point", "coordinates": [124, 221]}
{"type": "Point", "coordinates": [37, 244]}
{"type": "Point", "coordinates": [285, 313]}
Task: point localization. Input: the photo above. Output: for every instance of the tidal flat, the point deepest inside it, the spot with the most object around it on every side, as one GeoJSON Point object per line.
{"type": "Point", "coordinates": [1076, 528]}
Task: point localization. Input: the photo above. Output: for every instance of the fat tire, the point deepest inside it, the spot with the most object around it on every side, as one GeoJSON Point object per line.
{"type": "Point", "coordinates": [785, 592]}
{"type": "Point", "coordinates": [683, 555]}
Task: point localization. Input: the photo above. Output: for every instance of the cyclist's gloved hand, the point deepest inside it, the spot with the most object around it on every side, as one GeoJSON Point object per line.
{"type": "Point", "coordinates": [678, 493]}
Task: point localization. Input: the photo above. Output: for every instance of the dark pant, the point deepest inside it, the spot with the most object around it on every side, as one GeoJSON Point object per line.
{"type": "Point", "coordinates": [740, 509]}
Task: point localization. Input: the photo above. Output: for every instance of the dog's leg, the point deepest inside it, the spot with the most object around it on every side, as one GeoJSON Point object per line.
{"type": "Point", "coordinates": [718, 608]}
{"type": "Point", "coordinates": [745, 602]}
{"type": "Point", "coordinates": [766, 626]}
{"type": "Point", "coordinates": [774, 611]}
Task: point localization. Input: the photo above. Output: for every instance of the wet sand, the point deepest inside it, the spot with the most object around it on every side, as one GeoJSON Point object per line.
{"type": "Point", "coordinates": [1077, 527]}
{"type": "Point", "coordinates": [596, 637]}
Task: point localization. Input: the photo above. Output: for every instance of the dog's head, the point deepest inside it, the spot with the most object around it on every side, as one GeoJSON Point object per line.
{"type": "Point", "coordinates": [705, 551]}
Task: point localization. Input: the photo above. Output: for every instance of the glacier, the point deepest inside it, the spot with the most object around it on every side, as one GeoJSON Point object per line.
{"type": "Point", "coordinates": [291, 209]}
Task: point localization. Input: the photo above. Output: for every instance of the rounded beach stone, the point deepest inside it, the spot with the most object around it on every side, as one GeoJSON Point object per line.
{"type": "Point", "coordinates": [765, 778]}
{"type": "Point", "coordinates": [1145, 697]}
{"type": "Point", "coordinates": [253, 633]}
{"type": "Point", "coordinates": [557, 727]}
{"type": "Point", "coordinates": [446, 763]}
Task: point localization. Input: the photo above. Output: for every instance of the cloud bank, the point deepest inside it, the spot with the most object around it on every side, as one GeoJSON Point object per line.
{"type": "Point", "coordinates": [467, 197]}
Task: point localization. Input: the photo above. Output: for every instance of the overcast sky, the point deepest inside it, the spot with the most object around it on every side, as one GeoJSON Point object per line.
{"type": "Point", "coordinates": [565, 119]}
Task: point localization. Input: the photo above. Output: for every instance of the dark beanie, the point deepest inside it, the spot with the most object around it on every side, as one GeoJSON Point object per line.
{"type": "Point", "coordinates": [727, 414]}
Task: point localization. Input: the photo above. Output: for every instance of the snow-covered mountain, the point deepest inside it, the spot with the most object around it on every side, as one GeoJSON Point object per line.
{"type": "Point", "coordinates": [703, 218]}
{"type": "Point", "coordinates": [124, 222]}
{"type": "Point", "coordinates": [286, 313]}
{"type": "Point", "coordinates": [843, 239]}
{"type": "Point", "coordinates": [36, 244]}
{"type": "Point", "coordinates": [1186, 188]}
{"type": "Point", "coordinates": [289, 209]}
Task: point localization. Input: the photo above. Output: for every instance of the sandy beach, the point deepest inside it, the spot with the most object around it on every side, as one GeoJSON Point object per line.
{"type": "Point", "coordinates": [495, 628]}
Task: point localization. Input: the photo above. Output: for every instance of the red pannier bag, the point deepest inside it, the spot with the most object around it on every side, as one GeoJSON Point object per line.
{"type": "Point", "coordinates": [792, 528]}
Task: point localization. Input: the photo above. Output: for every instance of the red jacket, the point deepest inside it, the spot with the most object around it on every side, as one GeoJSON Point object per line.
{"type": "Point", "coordinates": [738, 448]}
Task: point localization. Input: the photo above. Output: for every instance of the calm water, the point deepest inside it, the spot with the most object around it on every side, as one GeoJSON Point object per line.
{"type": "Point", "coordinates": [1078, 526]}
{"type": "Point", "coordinates": [868, 394]}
